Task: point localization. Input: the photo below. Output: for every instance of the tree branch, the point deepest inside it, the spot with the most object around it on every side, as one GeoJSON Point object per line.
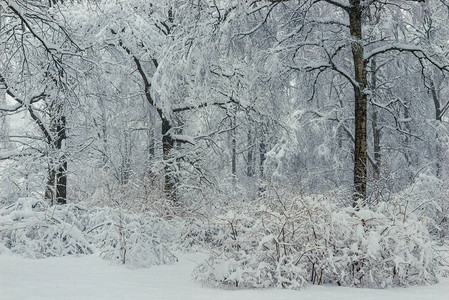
{"type": "Point", "coordinates": [33, 115]}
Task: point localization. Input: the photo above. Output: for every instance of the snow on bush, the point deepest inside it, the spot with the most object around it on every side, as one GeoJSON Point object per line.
{"type": "Point", "coordinates": [309, 240]}
{"type": "Point", "coordinates": [198, 234]}
{"type": "Point", "coordinates": [136, 240]}
{"type": "Point", "coordinates": [428, 197]}
{"type": "Point", "coordinates": [30, 228]}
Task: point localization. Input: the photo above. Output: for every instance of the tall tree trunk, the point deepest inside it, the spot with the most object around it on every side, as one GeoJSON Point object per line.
{"type": "Point", "coordinates": [167, 145]}
{"type": "Point", "coordinates": [151, 143]}
{"type": "Point", "coordinates": [125, 168]}
{"type": "Point", "coordinates": [375, 124]}
{"type": "Point", "coordinates": [438, 117]}
{"type": "Point", "coordinates": [50, 191]}
{"type": "Point", "coordinates": [360, 97]}
{"type": "Point", "coordinates": [167, 140]}
{"type": "Point", "coordinates": [234, 147]}
{"type": "Point", "coordinates": [262, 155]}
{"type": "Point", "coordinates": [61, 174]}
{"type": "Point", "coordinates": [56, 191]}
{"type": "Point", "coordinates": [104, 135]}
{"type": "Point", "coordinates": [408, 154]}
{"type": "Point", "coordinates": [250, 155]}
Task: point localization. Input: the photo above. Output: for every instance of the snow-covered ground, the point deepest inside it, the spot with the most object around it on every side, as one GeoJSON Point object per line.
{"type": "Point", "coordinates": [90, 277]}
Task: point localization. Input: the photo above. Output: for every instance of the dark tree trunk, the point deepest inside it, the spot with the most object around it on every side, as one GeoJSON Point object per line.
{"type": "Point", "coordinates": [61, 174]}
{"type": "Point", "coordinates": [104, 135]}
{"type": "Point", "coordinates": [56, 191]}
{"type": "Point", "coordinates": [375, 124]}
{"type": "Point", "coordinates": [61, 185]}
{"type": "Point", "coordinates": [262, 155]}
{"type": "Point", "coordinates": [438, 117]}
{"type": "Point", "coordinates": [250, 155]}
{"type": "Point", "coordinates": [125, 168]}
{"type": "Point", "coordinates": [234, 147]}
{"type": "Point", "coordinates": [409, 157]}
{"type": "Point", "coordinates": [360, 97]}
{"type": "Point", "coordinates": [167, 145]}
{"type": "Point", "coordinates": [167, 140]}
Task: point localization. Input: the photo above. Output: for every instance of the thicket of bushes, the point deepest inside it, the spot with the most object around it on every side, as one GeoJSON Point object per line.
{"type": "Point", "coordinates": [287, 241]}
{"type": "Point", "coordinates": [310, 240]}
{"type": "Point", "coordinates": [32, 229]}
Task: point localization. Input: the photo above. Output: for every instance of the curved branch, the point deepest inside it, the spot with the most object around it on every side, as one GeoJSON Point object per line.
{"type": "Point", "coordinates": [406, 48]}
{"type": "Point", "coordinates": [33, 115]}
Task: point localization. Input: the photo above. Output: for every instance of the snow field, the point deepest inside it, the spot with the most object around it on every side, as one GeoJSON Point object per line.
{"type": "Point", "coordinates": [92, 278]}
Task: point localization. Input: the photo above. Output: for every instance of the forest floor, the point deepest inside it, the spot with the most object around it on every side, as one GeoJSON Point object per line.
{"type": "Point", "coordinates": [90, 277]}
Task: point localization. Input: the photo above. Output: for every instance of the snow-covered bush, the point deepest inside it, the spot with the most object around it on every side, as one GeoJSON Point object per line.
{"type": "Point", "coordinates": [30, 228]}
{"type": "Point", "coordinates": [197, 234]}
{"type": "Point", "coordinates": [309, 240]}
{"type": "Point", "coordinates": [200, 229]}
{"type": "Point", "coordinates": [428, 197]}
{"type": "Point", "coordinates": [137, 240]}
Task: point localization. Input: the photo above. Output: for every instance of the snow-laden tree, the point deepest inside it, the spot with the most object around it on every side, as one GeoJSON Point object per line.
{"type": "Point", "coordinates": [40, 82]}
{"type": "Point", "coordinates": [353, 51]}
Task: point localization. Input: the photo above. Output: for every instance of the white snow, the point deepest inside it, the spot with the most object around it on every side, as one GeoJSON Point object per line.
{"type": "Point", "coordinates": [90, 277]}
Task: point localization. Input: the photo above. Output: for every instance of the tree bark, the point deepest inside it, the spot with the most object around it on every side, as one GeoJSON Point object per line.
{"type": "Point", "coordinates": [61, 174]}
{"type": "Point", "coordinates": [438, 118]}
{"type": "Point", "coordinates": [375, 124]}
{"type": "Point", "coordinates": [56, 190]}
{"type": "Point", "coordinates": [167, 140]}
{"type": "Point", "coordinates": [250, 155]}
{"type": "Point", "coordinates": [167, 145]}
{"type": "Point", "coordinates": [360, 99]}
{"type": "Point", "coordinates": [234, 147]}
{"type": "Point", "coordinates": [262, 155]}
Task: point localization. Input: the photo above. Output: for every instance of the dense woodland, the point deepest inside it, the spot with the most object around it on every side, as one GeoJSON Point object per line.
{"type": "Point", "coordinates": [298, 141]}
